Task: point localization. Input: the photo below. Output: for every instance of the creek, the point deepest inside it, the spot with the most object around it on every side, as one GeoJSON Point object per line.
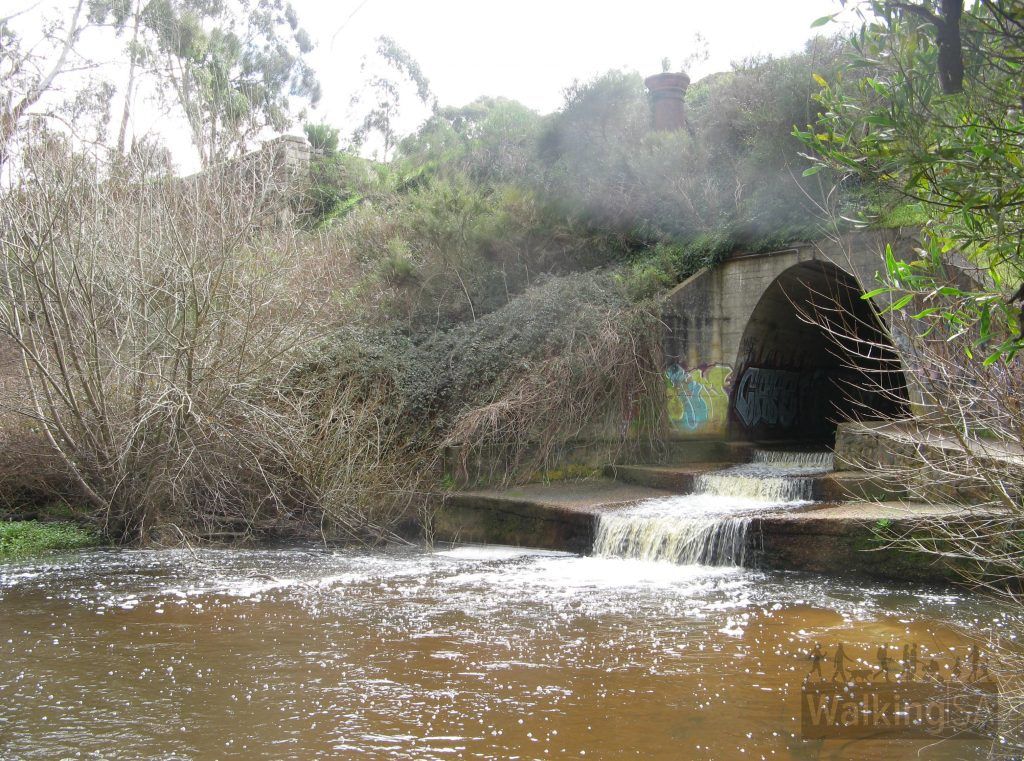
{"type": "Point", "coordinates": [472, 652]}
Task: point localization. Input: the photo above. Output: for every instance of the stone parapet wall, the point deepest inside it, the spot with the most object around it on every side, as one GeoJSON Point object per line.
{"type": "Point", "coordinates": [276, 175]}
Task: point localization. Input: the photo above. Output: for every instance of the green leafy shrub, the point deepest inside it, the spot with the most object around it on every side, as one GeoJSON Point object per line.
{"type": "Point", "coordinates": [22, 539]}
{"type": "Point", "coordinates": [323, 138]}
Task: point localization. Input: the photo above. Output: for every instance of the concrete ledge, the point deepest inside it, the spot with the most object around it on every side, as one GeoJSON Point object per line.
{"type": "Point", "coordinates": [848, 540]}
{"type": "Point", "coordinates": [677, 479]}
{"type": "Point", "coordinates": [560, 516]}
{"type": "Point", "coordinates": [858, 486]}
{"type": "Point", "coordinates": [826, 487]}
{"type": "Point", "coordinates": [681, 450]}
{"type": "Point", "coordinates": [843, 539]}
{"type": "Point", "coordinates": [901, 450]}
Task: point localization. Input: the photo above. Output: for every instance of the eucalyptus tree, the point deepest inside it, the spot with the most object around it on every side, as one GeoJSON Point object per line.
{"type": "Point", "coordinates": [385, 91]}
{"type": "Point", "coordinates": [34, 57]}
{"type": "Point", "coordinates": [934, 111]}
{"type": "Point", "coordinates": [233, 68]}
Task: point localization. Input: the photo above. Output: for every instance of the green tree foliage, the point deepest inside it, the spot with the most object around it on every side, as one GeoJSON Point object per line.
{"type": "Point", "coordinates": [385, 91]}
{"type": "Point", "coordinates": [233, 67]}
{"type": "Point", "coordinates": [952, 143]}
{"type": "Point", "coordinates": [491, 140]}
{"type": "Point", "coordinates": [457, 223]}
{"type": "Point", "coordinates": [322, 138]}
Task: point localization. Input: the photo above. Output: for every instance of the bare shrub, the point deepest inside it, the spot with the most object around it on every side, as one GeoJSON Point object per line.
{"type": "Point", "coordinates": [568, 367]}
{"type": "Point", "coordinates": [148, 317]}
{"type": "Point", "coordinates": [962, 449]}
{"type": "Point", "coordinates": [606, 373]}
{"type": "Point", "coordinates": [356, 454]}
{"type": "Point", "coordinates": [961, 445]}
{"type": "Point", "coordinates": [191, 362]}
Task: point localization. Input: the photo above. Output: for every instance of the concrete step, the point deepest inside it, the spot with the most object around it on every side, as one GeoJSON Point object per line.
{"type": "Point", "coordinates": [674, 478]}
{"type": "Point", "coordinates": [555, 516]}
{"type": "Point", "coordinates": [856, 486]}
{"type": "Point", "coordinates": [839, 486]}
{"type": "Point", "coordinates": [850, 538]}
{"type": "Point", "coordinates": [691, 451]}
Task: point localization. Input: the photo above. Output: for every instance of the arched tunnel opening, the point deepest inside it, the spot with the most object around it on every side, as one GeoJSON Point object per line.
{"type": "Point", "coordinates": [813, 354]}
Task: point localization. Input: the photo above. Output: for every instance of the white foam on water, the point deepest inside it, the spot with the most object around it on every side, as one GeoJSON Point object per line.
{"type": "Point", "coordinates": [566, 575]}
{"type": "Point", "coordinates": [496, 552]}
{"type": "Point", "coordinates": [709, 526]}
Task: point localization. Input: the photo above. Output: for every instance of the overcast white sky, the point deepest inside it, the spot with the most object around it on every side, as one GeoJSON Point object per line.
{"type": "Point", "coordinates": [531, 50]}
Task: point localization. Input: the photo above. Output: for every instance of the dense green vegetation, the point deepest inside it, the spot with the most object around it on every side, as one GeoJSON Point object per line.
{"type": "Point", "coordinates": [484, 198]}
{"type": "Point", "coordinates": [937, 120]}
{"type": "Point", "coordinates": [23, 539]}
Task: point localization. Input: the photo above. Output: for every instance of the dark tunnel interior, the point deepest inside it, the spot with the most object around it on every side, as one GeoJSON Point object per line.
{"type": "Point", "coordinates": [812, 355]}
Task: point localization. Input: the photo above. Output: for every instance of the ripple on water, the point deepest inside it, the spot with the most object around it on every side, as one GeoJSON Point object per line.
{"type": "Point", "coordinates": [474, 652]}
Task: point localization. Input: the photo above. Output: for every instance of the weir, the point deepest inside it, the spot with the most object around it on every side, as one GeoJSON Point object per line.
{"type": "Point", "coordinates": [709, 526]}
{"type": "Point", "coordinates": [779, 509]}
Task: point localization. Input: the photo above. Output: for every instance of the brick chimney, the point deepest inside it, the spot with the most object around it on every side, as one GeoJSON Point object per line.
{"type": "Point", "coordinates": [668, 100]}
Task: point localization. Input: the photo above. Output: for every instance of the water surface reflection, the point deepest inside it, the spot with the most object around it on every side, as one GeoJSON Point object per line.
{"type": "Point", "coordinates": [473, 653]}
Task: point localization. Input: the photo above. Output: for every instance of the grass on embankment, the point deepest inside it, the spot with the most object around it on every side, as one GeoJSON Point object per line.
{"type": "Point", "coordinates": [22, 539]}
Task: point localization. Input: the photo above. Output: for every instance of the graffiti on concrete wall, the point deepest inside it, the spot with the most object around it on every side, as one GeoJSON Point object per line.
{"type": "Point", "coordinates": [698, 398]}
{"type": "Point", "coordinates": [781, 398]}
{"type": "Point", "coordinates": [768, 397]}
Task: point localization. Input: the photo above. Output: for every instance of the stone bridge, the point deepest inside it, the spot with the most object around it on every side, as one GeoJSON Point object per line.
{"type": "Point", "coordinates": [781, 345]}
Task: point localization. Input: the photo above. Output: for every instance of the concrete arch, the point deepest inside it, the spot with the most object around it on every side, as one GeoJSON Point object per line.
{"type": "Point", "coordinates": [706, 320]}
{"type": "Point", "coordinates": [812, 354]}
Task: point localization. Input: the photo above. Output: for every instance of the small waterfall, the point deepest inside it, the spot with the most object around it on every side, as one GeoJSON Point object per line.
{"type": "Point", "coordinates": [709, 526]}
{"type": "Point", "coordinates": [820, 461]}
{"type": "Point", "coordinates": [773, 476]}
{"type": "Point", "coordinates": [686, 541]}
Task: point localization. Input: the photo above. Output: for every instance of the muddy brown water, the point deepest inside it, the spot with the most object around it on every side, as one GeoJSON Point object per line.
{"type": "Point", "coordinates": [476, 653]}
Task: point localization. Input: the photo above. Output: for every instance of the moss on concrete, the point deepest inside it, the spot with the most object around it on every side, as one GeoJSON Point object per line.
{"type": "Point", "coordinates": [569, 472]}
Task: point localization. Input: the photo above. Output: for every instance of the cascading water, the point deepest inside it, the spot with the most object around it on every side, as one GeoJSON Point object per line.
{"type": "Point", "coordinates": [709, 526]}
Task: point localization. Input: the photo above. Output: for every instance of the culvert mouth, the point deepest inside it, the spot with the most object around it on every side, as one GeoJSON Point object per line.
{"type": "Point", "coordinates": [813, 355]}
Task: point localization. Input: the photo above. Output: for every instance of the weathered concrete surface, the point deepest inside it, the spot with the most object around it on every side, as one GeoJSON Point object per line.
{"type": "Point", "coordinates": [839, 539]}
{"type": "Point", "coordinates": [469, 466]}
{"type": "Point", "coordinates": [737, 319]}
{"type": "Point", "coordinates": [851, 538]}
{"type": "Point", "coordinates": [827, 487]}
{"type": "Point", "coordinates": [558, 516]}
{"type": "Point", "coordinates": [674, 478]}
{"type": "Point", "coordinates": [895, 451]}
{"type": "Point", "coordinates": [881, 443]}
